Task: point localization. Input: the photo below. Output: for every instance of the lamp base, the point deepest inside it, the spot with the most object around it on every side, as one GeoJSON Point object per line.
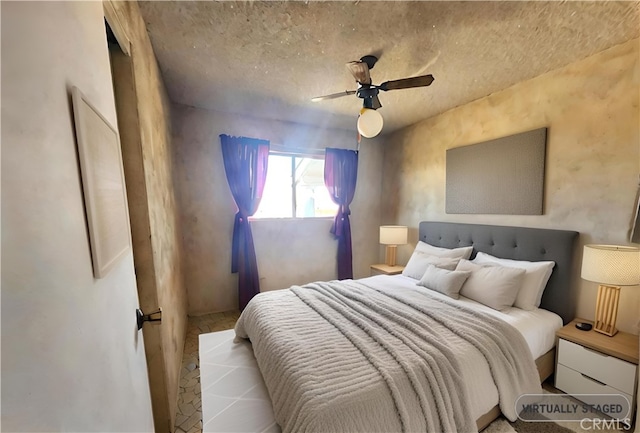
{"type": "Point", "coordinates": [390, 255]}
{"type": "Point", "coordinates": [607, 310]}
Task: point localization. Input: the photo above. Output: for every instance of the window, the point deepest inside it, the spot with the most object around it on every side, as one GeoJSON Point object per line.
{"type": "Point", "coordinates": [294, 188]}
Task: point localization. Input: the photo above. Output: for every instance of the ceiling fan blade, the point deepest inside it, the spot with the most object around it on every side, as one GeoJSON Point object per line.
{"type": "Point", "coordinates": [376, 103]}
{"type": "Point", "coordinates": [407, 83]}
{"type": "Point", "coordinates": [360, 71]}
{"type": "Point", "coordinates": [333, 95]}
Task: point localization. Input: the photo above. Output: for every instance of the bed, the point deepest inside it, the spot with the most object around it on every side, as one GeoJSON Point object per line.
{"type": "Point", "coordinates": [327, 369]}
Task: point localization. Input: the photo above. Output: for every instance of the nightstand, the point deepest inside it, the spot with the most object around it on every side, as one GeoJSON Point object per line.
{"type": "Point", "coordinates": [382, 269]}
{"type": "Point", "coordinates": [588, 362]}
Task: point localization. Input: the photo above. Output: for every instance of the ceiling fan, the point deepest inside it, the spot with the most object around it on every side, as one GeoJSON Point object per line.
{"type": "Point", "coordinates": [368, 92]}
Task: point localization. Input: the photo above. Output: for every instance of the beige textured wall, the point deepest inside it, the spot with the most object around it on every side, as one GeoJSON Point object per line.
{"type": "Point", "coordinates": [72, 359]}
{"type": "Point", "coordinates": [157, 244]}
{"type": "Point", "coordinates": [288, 251]}
{"type": "Point", "coordinates": [593, 157]}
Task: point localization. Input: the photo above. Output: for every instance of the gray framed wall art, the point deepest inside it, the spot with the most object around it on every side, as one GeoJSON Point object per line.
{"type": "Point", "coordinates": [502, 176]}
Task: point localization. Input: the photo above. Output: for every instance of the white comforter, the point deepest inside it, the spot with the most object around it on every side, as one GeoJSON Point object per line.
{"type": "Point", "coordinates": [330, 367]}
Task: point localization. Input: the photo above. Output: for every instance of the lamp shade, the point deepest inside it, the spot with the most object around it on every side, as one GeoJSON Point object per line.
{"type": "Point", "coordinates": [393, 235]}
{"type": "Point", "coordinates": [369, 123]}
{"type": "Point", "coordinates": [611, 264]}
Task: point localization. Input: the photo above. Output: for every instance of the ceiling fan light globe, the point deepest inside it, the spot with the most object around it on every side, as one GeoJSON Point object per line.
{"type": "Point", "coordinates": [370, 123]}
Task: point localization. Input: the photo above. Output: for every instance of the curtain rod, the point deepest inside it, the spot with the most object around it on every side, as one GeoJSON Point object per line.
{"type": "Point", "coordinates": [276, 147]}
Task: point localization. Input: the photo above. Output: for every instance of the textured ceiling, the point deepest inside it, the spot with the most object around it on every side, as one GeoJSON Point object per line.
{"type": "Point", "coordinates": [268, 59]}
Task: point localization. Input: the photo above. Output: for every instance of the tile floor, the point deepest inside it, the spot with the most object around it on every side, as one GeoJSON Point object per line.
{"type": "Point", "coordinates": [189, 415]}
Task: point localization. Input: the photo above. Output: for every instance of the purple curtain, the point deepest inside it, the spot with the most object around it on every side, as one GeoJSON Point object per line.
{"type": "Point", "coordinates": [245, 163]}
{"type": "Point", "coordinates": [340, 173]}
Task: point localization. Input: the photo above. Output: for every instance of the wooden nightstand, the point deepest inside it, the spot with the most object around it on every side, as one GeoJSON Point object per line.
{"type": "Point", "coordinates": [382, 269]}
{"type": "Point", "coordinates": [588, 362]}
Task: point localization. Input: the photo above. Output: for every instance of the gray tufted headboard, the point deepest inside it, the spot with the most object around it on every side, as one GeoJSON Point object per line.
{"type": "Point", "coordinates": [518, 243]}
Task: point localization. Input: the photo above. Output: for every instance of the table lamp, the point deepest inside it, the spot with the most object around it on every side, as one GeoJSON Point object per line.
{"type": "Point", "coordinates": [392, 236]}
{"type": "Point", "coordinates": [611, 266]}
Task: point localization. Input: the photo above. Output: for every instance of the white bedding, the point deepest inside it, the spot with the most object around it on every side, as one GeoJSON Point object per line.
{"type": "Point", "coordinates": [537, 327]}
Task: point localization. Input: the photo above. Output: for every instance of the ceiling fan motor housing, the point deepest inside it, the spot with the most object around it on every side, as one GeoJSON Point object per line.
{"type": "Point", "coordinates": [364, 91]}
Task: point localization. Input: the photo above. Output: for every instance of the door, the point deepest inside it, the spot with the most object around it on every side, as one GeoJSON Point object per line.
{"type": "Point", "coordinates": [72, 359]}
{"type": "Point", "coordinates": [122, 71]}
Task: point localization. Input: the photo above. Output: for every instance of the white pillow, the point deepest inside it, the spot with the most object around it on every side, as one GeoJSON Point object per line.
{"type": "Point", "coordinates": [492, 285]}
{"type": "Point", "coordinates": [418, 263]}
{"type": "Point", "coordinates": [533, 283]}
{"type": "Point", "coordinates": [454, 253]}
{"type": "Point", "coordinates": [444, 281]}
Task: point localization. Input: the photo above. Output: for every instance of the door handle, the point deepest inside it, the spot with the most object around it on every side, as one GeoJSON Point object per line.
{"type": "Point", "coordinates": [156, 316]}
